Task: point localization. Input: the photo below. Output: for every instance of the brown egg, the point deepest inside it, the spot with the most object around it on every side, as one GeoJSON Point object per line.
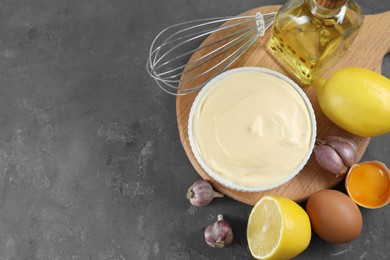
{"type": "Point", "coordinates": [334, 216]}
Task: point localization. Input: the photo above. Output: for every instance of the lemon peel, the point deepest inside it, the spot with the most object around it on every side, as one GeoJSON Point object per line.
{"type": "Point", "coordinates": [357, 100]}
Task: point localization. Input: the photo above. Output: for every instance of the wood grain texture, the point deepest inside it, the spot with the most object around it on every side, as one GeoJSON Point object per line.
{"type": "Point", "coordinates": [368, 50]}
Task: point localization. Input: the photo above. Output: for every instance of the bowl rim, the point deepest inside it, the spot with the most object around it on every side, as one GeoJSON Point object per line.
{"type": "Point", "coordinates": [217, 177]}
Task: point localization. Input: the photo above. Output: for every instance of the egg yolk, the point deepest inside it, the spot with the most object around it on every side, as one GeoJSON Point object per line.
{"type": "Point", "coordinates": [369, 185]}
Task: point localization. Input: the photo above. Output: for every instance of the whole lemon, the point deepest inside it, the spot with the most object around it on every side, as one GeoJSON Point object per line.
{"type": "Point", "coordinates": [357, 100]}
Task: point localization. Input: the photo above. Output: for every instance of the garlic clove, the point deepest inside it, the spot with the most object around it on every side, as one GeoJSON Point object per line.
{"type": "Point", "coordinates": [201, 193]}
{"type": "Point", "coordinates": [345, 147]}
{"type": "Point", "coordinates": [219, 234]}
{"type": "Point", "coordinates": [329, 159]}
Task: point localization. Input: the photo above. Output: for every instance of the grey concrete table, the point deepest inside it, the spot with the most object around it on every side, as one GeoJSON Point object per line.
{"type": "Point", "coordinates": [91, 166]}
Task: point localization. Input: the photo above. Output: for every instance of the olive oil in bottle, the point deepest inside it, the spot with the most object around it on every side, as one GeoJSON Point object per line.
{"type": "Point", "coordinates": [308, 36]}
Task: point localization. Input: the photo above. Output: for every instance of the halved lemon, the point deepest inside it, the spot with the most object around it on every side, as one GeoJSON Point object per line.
{"type": "Point", "coordinates": [278, 228]}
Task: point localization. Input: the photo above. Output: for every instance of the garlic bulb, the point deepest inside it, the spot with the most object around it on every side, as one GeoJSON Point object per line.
{"type": "Point", "coordinates": [346, 148]}
{"type": "Point", "coordinates": [219, 234]}
{"type": "Point", "coordinates": [328, 159]}
{"type": "Point", "coordinates": [335, 154]}
{"type": "Point", "coordinates": [201, 193]}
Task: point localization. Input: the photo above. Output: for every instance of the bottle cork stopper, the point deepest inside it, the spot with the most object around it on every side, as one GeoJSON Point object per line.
{"type": "Point", "coordinates": [331, 4]}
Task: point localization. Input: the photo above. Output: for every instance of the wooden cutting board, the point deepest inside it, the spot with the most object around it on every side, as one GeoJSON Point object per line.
{"type": "Point", "coordinates": [368, 50]}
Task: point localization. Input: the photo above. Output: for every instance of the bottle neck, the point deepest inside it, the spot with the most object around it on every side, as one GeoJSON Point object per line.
{"type": "Point", "coordinates": [322, 12]}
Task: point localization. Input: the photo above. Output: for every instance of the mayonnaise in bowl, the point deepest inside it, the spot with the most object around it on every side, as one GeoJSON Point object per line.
{"type": "Point", "coordinates": [251, 129]}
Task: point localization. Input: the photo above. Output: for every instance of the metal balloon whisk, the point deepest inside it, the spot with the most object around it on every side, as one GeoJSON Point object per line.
{"type": "Point", "coordinates": [184, 54]}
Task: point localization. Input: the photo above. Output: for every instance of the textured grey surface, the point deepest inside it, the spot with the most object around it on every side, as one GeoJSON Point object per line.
{"type": "Point", "coordinates": [91, 165]}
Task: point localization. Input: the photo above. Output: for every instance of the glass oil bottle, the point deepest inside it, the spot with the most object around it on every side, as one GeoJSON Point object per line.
{"type": "Point", "coordinates": [308, 36]}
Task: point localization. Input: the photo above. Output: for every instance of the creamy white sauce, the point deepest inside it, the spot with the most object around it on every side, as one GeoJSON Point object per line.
{"type": "Point", "coordinates": [252, 128]}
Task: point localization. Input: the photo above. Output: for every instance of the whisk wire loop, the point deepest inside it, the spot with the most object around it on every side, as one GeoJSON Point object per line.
{"type": "Point", "coordinates": [182, 59]}
{"type": "Point", "coordinates": [205, 58]}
